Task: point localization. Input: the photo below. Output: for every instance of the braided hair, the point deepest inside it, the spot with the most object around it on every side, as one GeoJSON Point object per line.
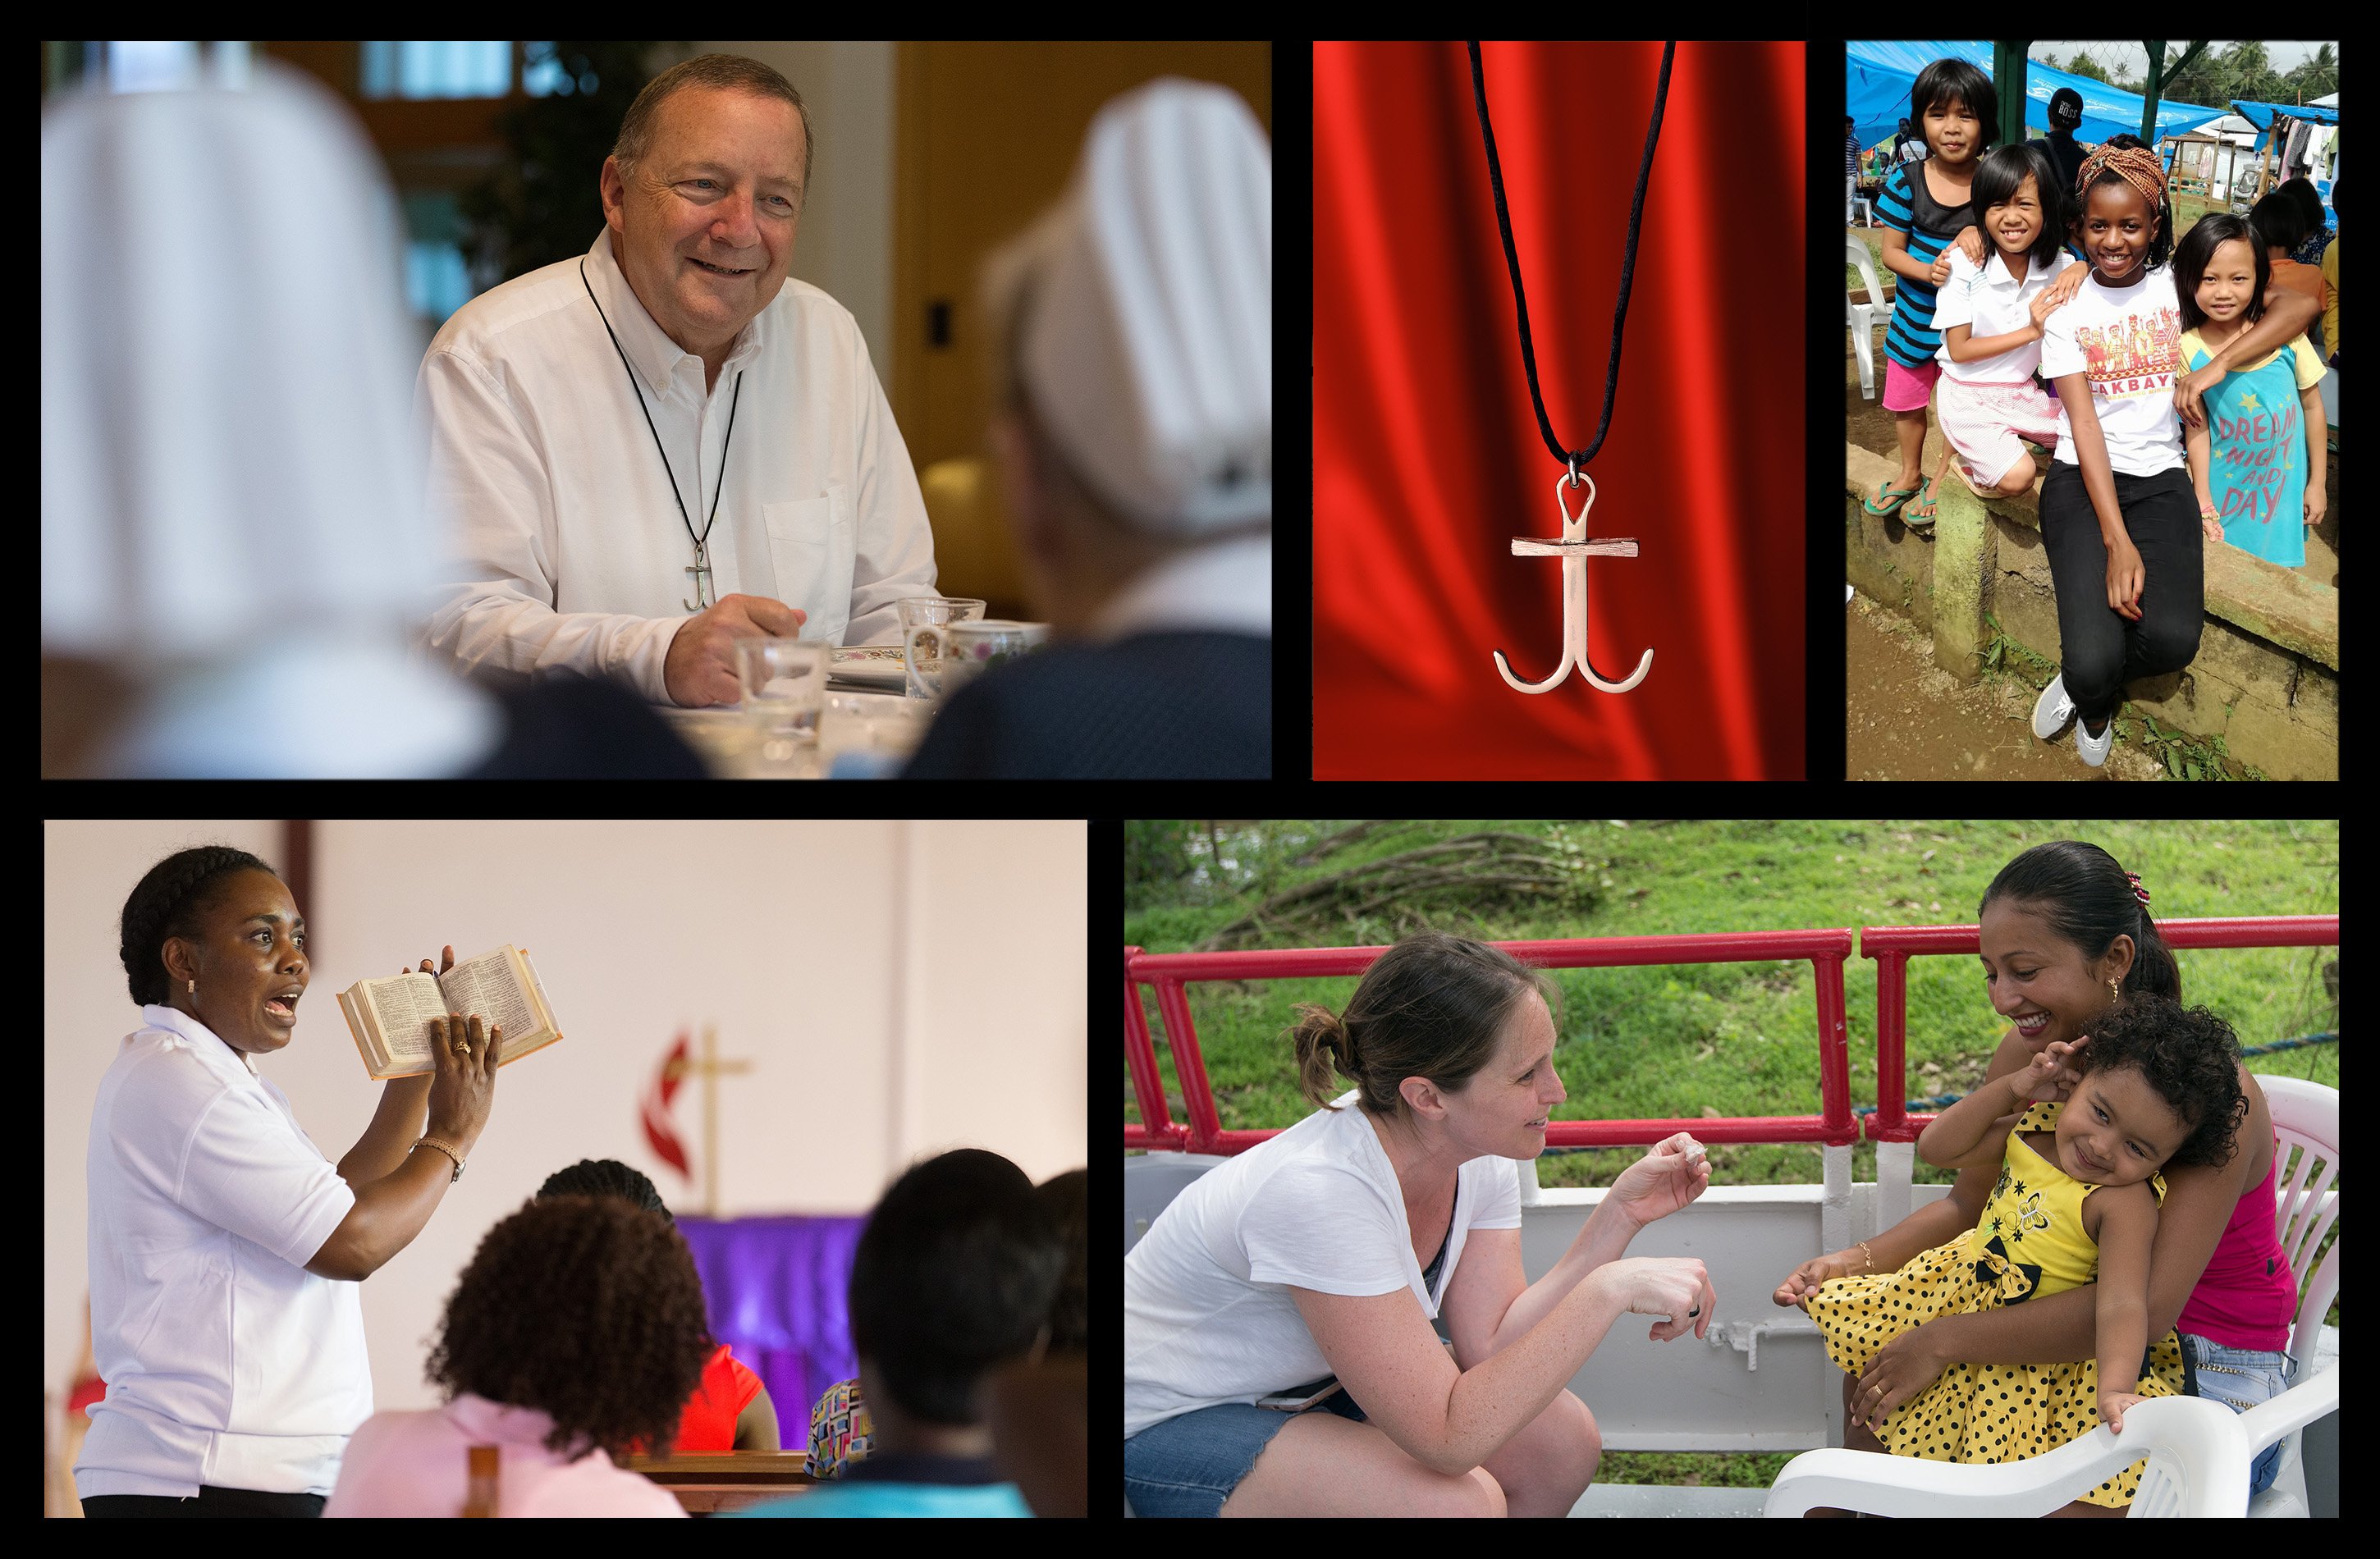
{"type": "Point", "coordinates": [607, 1176]}
{"type": "Point", "coordinates": [168, 902]}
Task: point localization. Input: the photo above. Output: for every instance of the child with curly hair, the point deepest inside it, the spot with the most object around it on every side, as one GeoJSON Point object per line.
{"type": "Point", "coordinates": [2075, 1205]}
{"type": "Point", "coordinates": [575, 1334]}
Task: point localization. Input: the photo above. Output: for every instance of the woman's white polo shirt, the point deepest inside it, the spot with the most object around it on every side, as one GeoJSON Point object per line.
{"type": "Point", "coordinates": [227, 1364]}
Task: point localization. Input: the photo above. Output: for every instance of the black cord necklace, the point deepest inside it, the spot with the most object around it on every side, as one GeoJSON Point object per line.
{"type": "Point", "coordinates": [1573, 548]}
{"type": "Point", "coordinates": [701, 569]}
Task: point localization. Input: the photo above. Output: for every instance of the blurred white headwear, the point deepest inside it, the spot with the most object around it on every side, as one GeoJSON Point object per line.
{"type": "Point", "coordinates": [226, 382]}
{"type": "Point", "coordinates": [1146, 344]}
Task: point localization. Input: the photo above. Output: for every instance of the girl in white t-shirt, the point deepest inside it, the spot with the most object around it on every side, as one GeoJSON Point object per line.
{"type": "Point", "coordinates": [2118, 516]}
{"type": "Point", "coordinates": [1991, 316]}
{"type": "Point", "coordinates": [1309, 1269]}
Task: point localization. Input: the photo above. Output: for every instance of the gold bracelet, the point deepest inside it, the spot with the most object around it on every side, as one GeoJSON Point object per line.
{"type": "Point", "coordinates": [1869, 1254]}
{"type": "Point", "coordinates": [442, 1147]}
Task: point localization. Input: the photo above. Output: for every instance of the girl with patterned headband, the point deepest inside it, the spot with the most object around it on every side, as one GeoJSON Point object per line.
{"type": "Point", "coordinates": [2118, 513]}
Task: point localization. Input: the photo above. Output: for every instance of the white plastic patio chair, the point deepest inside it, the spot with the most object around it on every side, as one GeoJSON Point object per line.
{"type": "Point", "coordinates": [2197, 1452]}
{"type": "Point", "coordinates": [2305, 1118]}
{"type": "Point", "coordinates": [1862, 316]}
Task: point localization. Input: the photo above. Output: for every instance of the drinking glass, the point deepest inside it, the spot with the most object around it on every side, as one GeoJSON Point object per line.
{"type": "Point", "coordinates": [782, 681]}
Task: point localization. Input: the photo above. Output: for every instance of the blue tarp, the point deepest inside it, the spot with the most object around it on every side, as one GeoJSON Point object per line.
{"type": "Point", "coordinates": [1879, 77]}
{"type": "Point", "coordinates": [2261, 113]}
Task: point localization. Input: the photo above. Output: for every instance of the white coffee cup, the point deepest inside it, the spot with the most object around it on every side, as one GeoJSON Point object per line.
{"type": "Point", "coordinates": [925, 675]}
{"type": "Point", "coordinates": [966, 650]}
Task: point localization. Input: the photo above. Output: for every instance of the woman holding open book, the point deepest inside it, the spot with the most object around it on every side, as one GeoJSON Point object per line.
{"type": "Point", "coordinates": [225, 1247]}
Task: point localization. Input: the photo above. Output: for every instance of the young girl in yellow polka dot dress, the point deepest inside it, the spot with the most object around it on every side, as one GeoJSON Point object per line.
{"type": "Point", "coordinates": [2076, 1205]}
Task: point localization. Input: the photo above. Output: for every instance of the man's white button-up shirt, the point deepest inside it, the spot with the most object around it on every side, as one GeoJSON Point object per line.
{"type": "Point", "coordinates": [571, 551]}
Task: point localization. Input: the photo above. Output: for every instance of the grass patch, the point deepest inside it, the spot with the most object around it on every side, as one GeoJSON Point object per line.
{"type": "Point", "coordinates": [1693, 1469]}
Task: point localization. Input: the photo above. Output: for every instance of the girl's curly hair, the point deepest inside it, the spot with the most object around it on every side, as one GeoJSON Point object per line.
{"type": "Point", "coordinates": [167, 901]}
{"type": "Point", "coordinates": [585, 1308]}
{"type": "Point", "coordinates": [2189, 1057]}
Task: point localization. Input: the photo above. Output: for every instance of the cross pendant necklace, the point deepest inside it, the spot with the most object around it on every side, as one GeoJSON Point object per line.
{"type": "Point", "coordinates": [1575, 546]}
{"type": "Point", "coordinates": [701, 570]}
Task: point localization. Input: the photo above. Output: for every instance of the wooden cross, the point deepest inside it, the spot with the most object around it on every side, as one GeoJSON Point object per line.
{"type": "Point", "coordinates": [709, 1068]}
{"type": "Point", "coordinates": [1573, 549]}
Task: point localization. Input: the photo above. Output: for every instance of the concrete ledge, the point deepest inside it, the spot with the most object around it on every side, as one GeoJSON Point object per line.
{"type": "Point", "coordinates": [2267, 676]}
{"type": "Point", "coordinates": [1655, 1498]}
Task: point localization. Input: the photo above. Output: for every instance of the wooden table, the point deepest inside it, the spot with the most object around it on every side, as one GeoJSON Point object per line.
{"type": "Point", "coordinates": [726, 1480]}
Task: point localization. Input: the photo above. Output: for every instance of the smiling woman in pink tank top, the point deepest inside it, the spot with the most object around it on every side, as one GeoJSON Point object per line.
{"type": "Point", "coordinates": [2066, 931]}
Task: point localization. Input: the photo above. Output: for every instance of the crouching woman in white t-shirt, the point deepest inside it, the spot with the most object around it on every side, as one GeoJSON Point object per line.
{"type": "Point", "coordinates": [1323, 1253]}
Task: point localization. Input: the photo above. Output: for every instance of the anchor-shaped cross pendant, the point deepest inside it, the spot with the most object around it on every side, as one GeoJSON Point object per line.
{"type": "Point", "coordinates": [1573, 549]}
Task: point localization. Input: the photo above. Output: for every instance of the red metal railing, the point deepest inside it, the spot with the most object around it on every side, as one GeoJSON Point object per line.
{"type": "Point", "coordinates": [1169, 972]}
{"type": "Point", "coordinates": [1893, 945]}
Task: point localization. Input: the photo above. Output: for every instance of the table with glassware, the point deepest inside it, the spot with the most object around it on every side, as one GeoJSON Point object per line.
{"type": "Point", "coordinates": [814, 710]}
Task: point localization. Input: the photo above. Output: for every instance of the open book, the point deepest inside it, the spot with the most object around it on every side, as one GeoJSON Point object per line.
{"type": "Point", "coordinates": [391, 1018]}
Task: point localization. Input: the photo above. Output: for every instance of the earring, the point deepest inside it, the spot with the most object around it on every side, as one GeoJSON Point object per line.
{"type": "Point", "coordinates": [2115, 992]}
{"type": "Point", "coordinates": [194, 987]}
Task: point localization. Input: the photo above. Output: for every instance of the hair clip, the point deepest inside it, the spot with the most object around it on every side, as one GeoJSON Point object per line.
{"type": "Point", "coordinates": [2138, 891]}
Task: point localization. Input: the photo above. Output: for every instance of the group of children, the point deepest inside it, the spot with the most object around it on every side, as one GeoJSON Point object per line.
{"type": "Point", "coordinates": [2095, 370]}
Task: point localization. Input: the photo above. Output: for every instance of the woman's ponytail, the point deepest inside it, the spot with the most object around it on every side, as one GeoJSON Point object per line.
{"type": "Point", "coordinates": [1433, 1007]}
{"type": "Point", "coordinates": [1322, 1046]}
{"type": "Point", "coordinates": [2154, 971]}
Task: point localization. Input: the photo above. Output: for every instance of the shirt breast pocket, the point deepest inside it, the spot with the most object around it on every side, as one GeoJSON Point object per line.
{"type": "Point", "coordinates": [811, 547]}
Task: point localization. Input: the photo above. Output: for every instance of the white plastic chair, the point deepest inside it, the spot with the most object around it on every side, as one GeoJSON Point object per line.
{"type": "Point", "coordinates": [1862, 316]}
{"type": "Point", "coordinates": [2198, 1466]}
{"type": "Point", "coordinates": [2305, 1118]}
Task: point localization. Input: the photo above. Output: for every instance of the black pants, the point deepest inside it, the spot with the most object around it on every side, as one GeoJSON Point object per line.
{"type": "Point", "coordinates": [2103, 649]}
{"type": "Point", "coordinates": [210, 1502]}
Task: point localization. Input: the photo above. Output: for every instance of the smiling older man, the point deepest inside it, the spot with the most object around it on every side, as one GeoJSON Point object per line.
{"type": "Point", "coordinates": [583, 422]}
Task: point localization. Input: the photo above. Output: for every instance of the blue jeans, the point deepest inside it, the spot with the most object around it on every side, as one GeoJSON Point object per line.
{"type": "Point", "coordinates": [2240, 1378]}
{"type": "Point", "coordinates": [1189, 1464]}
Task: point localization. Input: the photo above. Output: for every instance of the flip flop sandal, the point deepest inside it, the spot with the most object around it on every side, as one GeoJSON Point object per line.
{"type": "Point", "coordinates": [1920, 509]}
{"type": "Point", "coordinates": [1896, 496]}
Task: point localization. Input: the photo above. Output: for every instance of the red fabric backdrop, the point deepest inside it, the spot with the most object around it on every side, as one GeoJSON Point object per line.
{"type": "Point", "coordinates": [1427, 459]}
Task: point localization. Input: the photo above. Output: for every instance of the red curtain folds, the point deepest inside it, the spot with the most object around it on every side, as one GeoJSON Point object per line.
{"type": "Point", "coordinates": [1428, 458]}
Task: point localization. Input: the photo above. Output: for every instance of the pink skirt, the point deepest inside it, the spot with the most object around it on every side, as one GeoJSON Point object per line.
{"type": "Point", "coordinates": [1985, 421]}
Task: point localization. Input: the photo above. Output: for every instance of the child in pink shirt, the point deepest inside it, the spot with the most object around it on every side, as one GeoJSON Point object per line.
{"type": "Point", "coordinates": [418, 1464]}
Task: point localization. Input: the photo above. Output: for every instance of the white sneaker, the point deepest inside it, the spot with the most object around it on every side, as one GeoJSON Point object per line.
{"type": "Point", "coordinates": [2091, 749]}
{"type": "Point", "coordinates": [2053, 710]}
